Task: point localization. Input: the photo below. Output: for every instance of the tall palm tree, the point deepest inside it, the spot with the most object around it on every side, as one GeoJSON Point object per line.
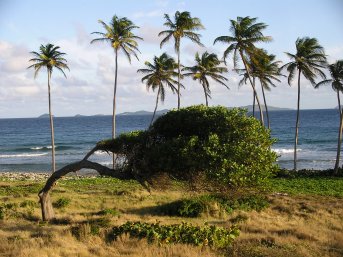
{"type": "Point", "coordinates": [207, 66]}
{"type": "Point", "coordinates": [160, 73]}
{"type": "Point", "coordinates": [336, 81]}
{"type": "Point", "coordinates": [308, 60]}
{"type": "Point", "coordinates": [182, 26]}
{"type": "Point", "coordinates": [49, 57]}
{"type": "Point", "coordinates": [267, 70]}
{"type": "Point", "coordinates": [118, 33]}
{"type": "Point", "coordinates": [245, 34]}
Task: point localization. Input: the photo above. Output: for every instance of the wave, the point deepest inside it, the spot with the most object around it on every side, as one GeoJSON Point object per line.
{"type": "Point", "coordinates": [100, 153]}
{"type": "Point", "coordinates": [48, 147]}
{"type": "Point", "coordinates": [22, 155]}
{"type": "Point", "coordinates": [285, 150]}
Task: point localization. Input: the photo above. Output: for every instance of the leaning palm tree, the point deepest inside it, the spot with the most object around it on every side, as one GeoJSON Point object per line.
{"type": "Point", "coordinates": [336, 81]}
{"type": "Point", "coordinates": [49, 57]}
{"type": "Point", "coordinates": [207, 66]}
{"type": "Point", "coordinates": [182, 26]}
{"type": "Point", "coordinates": [308, 60]}
{"type": "Point", "coordinates": [267, 70]}
{"type": "Point", "coordinates": [245, 34]}
{"type": "Point", "coordinates": [118, 33]}
{"type": "Point", "coordinates": [160, 73]}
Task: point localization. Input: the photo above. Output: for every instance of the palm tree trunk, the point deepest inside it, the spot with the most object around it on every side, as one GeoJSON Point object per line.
{"type": "Point", "coordinates": [158, 94]}
{"type": "Point", "coordinates": [178, 77]}
{"type": "Point", "coordinates": [51, 127]}
{"type": "Point", "coordinates": [114, 103]}
{"type": "Point", "coordinates": [297, 125]}
{"type": "Point", "coordinates": [253, 104]}
{"type": "Point", "coordinates": [253, 86]}
{"type": "Point", "coordinates": [265, 105]}
{"type": "Point", "coordinates": [205, 95]}
{"type": "Point", "coordinates": [339, 143]}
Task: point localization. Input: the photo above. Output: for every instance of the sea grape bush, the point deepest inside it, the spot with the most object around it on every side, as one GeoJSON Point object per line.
{"type": "Point", "coordinates": [229, 147]}
{"type": "Point", "coordinates": [183, 233]}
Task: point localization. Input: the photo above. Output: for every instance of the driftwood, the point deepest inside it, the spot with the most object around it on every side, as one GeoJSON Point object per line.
{"type": "Point", "coordinates": [44, 196]}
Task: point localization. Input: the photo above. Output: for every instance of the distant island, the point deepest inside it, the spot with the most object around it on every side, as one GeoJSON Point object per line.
{"type": "Point", "coordinates": [161, 112]}
{"type": "Point", "coordinates": [44, 116]}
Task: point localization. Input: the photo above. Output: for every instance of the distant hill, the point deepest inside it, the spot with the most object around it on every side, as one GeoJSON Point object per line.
{"type": "Point", "coordinates": [142, 112]}
{"type": "Point", "coordinates": [44, 116]}
{"type": "Point", "coordinates": [270, 108]}
{"type": "Point", "coordinates": [96, 115]}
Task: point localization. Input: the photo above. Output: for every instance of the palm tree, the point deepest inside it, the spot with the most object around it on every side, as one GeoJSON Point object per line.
{"type": "Point", "coordinates": [49, 57]}
{"type": "Point", "coordinates": [309, 59]}
{"type": "Point", "coordinates": [336, 81]}
{"type": "Point", "coordinates": [267, 70]}
{"type": "Point", "coordinates": [207, 66]}
{"type": "Point", "coordinates": [160, 73]}
{"type": "Point", "coordinates": [245, 33]}
{"type": "Point", "coordinates": [118, 33]}
{"type": "Point", "coordinates": [182, 26]}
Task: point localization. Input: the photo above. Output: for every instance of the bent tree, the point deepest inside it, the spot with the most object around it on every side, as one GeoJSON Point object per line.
{"type": "Point", "coordinates": [308, 60]}
{"type": "Point", "coordinates": [118, 33]}
{"type": "Point", "coordinates": [49, 57]}
{"type": "Point", "coordinates": [336, 81]}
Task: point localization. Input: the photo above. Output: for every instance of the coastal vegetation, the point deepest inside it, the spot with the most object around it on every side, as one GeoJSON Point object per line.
{"type": "Point", "coordinates": [299, 216]}
{"type": "Point", "coordinates": [205, 180]}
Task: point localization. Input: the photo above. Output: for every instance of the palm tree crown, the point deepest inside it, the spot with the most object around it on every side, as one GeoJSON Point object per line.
{"type": "Point", "coordinates": [207, 66]}
{"type": "Point", "coordinates": [49, 57]}
{"type": "Point", "coordinates": [158, 74]}
{"type": "Point", "coordinates": [182, 26]}
{"type": "Point", "coordinates": [120, 36]}
{"type": "Point", "coordinates": [245, 34]}
{"type": "Point", "coordinates": [309, 59]}
{"type": "Point", "coordinates": [336, 81]}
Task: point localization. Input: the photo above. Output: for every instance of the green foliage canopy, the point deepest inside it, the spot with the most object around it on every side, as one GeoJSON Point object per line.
{"type": "Point", "coordinates": [227, 146]}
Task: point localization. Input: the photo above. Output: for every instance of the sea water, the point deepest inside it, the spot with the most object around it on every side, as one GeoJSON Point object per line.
{"type": "Point", "coordinates": [25, 143]}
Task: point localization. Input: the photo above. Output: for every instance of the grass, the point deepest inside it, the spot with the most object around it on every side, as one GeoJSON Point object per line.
{"type": "Point", "coordinates": [303, 217]}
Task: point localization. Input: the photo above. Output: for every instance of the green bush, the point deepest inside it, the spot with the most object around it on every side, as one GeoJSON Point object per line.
{"type": "Point", "coordinates": [179, 233]}
{"type": "Point", "coordinates": [61, 203]}
{"type": "Point", "coordinates": [190, 208]}
{"type": "Point", "coordinates": [227, 146]}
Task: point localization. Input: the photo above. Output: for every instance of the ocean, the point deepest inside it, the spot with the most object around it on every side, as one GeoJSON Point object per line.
{"type": "Point", "coordinates": [25, 143]}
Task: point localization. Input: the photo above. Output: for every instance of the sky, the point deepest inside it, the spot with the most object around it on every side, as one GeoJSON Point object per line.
{"type": "Point", "coordinates": [87, 90]}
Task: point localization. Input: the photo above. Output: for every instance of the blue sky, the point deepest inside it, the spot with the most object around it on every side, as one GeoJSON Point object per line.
{"type": "Point", "coordinates": [88, 89]}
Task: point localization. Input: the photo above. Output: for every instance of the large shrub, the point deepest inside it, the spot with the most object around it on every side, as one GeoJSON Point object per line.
{"type": "Point", "coordinates": [226, 146]}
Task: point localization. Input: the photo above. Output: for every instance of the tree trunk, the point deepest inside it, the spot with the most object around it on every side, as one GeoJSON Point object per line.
{"type": "Point", "coordinates": [178, 77]}
{"type": "Point", "coordinates": [297, 125]}
{"type": "Point", "coordinates": [114, 103]}
{"type": "Point", "coordinates": [205, 95]}
{"type": "Point", "coordinates": [265, 106]}
{"type": "Point", "coordinates": [253, 104]}
{"type": "Point", "coordinates": [158, 94]}
{"type": "Point", "coordinates": [253, 86]}
{"type": "Point", "coordinates": [44, 196]}
{"type": "Point", "coordinates": [51, 126]}
{"type": "Point", "coordinates": [339, 142]}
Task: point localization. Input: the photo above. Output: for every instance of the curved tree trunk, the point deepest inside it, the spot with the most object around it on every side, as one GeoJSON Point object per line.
{"type": "Point", "coordinates": [178, 77]}
{"type": "Point", "coordinates": [53, 164]}
{"type": "Point", "coordinates": [265, 105]}
{"type": "Point", "coordinates": [44, 196]}
{"type": "Point", "coordinates": [252, 85]}
{"type": "Point", "coordinates": [297, 125]}
{"type": "Point", "coordinates": [114, 103]}
{"type": "Point", "coordinates": [339, 142]}
{"type": "Point", "coordinates": [158, 94]}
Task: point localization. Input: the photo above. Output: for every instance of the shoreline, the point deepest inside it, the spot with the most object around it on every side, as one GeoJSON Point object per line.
{"type": "Point", "coordinates": [40, 176]}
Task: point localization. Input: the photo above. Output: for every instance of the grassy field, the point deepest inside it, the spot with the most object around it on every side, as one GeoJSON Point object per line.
{"type": "Point", "coordinates": [303, 217]}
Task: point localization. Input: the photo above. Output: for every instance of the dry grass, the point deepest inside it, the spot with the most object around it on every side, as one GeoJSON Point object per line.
{"type": "Point", "coordinates": [293, 226]}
